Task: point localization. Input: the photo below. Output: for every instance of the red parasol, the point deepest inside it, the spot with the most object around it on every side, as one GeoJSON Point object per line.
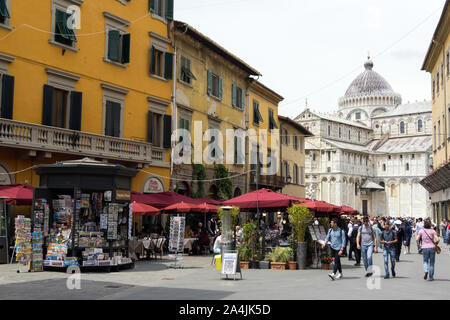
{"type": "Point", "coordinates": [141, 210]}
{"type": "Point", "coordinates": [348, 210]}
{"type": "Point", "coordinates": [263, 198]}
{"type": "Point", "coordinates": [20, 194]}
{"type": "Point", "coordinates": [207, 208]}
{"type": "Point", "coordinates": [181, 207]}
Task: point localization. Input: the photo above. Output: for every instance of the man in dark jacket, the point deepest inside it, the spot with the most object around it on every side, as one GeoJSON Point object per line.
{"type": "Point", "coordinates": [353, 236]}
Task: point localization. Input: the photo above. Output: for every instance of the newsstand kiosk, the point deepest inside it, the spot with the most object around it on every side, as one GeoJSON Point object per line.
{"type": "Point", "coordinates": [81, 216]}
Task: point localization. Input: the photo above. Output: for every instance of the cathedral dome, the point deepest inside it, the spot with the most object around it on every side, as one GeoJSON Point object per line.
{"type": "Point", "coordinates": [369, 89]}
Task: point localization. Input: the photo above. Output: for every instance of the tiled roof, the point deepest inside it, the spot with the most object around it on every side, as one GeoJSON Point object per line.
{"type": "Point", "coordinates": [408, 108]}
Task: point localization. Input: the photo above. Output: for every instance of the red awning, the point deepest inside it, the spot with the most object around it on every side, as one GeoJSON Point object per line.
{"type": "Point", "coordinates": [348, 210]}
{"type": "Point", "coordinates": [318, 206]}
{"type": "Point", "coordinates": [182, 207]}
{"type": "Point", "coordinates": [20, 194]}
{"type": "Point", "coordinates": [263, 198]}
{"type": "Point", "coordinates": [141, 210]}
{"type": "Point", "coordinates": [161, 200]}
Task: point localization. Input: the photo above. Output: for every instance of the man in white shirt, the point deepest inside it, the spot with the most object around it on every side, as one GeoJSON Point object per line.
{"type": "Point", "coordinates": [349, 233]}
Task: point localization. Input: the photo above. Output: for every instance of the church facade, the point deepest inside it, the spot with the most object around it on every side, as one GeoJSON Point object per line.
{"type": "Point", "coordinates": [372, 153]}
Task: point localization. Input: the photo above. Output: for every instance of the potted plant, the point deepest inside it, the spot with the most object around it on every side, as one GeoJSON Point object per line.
{"type": "Point", "coordinates": [244, 256]}
{"type": "Point", "coordinates": [251, 237]}
{"type": "Point", "coordinates": [265, 264]}
{"type": "Point", "coordinates": [300, 216]}
{"type": "Point", "coordinates": [326, 261]}
{"type": "Point", "coordinates": [292, 264]}
{"type": "Point", "coordinates": [279, 257]}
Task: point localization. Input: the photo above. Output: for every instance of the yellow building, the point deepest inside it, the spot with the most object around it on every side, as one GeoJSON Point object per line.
{"type": "Point", "coordinates": [211, 96]}
{"type": "Point", "coordinates": [86, 79]}
{"type": "Point", "coordinates": [293, 156]}
{"type": "Point", "coordinates": [437, 63]}
{"type": "Point", "coordinates": [263, 119]}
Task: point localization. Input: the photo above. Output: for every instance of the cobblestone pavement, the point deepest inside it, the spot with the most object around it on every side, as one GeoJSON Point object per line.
{"type": "Point", "coordinates": [199, 280]}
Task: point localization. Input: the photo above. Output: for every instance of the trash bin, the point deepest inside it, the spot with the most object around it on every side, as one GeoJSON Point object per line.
{"type": "Point", "coordinates": [218, 259]}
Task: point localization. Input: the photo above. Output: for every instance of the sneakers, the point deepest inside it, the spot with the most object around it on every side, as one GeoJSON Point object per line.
{"type": "Point", "coordinates": [393, 273]}
{"type": "Point", "coordinates": [332, 276]}
{"type": "Point", "coordinates": [339, 276]}
{"type": "Point", "coordinates": [425, 276]}
{"type": "Point", "coordinates": [386, 276]}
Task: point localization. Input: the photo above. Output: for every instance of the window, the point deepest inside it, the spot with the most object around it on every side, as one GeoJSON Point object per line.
{"type": "Point", "coordinates": [437, 83]}
{"type": "Point", "coordinates": [214, 85]}
{"type": "Point", "coordinates": [389, 157]}
{"type": "Point", "coordinates": [113, 110]}
{"type": "Point", "coordinates": [161, 63]}
{"type": "Point", "coordinates": [6, 96]}
{"type": "Point", "coordinates": [257, 118]}
{"type": "Point", "coordinates": [295, 142]}
{"type": "Point", "coordinates": [61, 33]}
{"type": "Point", "coordinates": [238, 157]}
{"type": "Point", "coordinates": [413, 156]}
{"type": "Point", "coordinates": [272, 122]}
{"type": "Point", "coordinates": [349, 136]}
{"type": "Point", "coordinates": [359, 135]}
{"type": "Point", "coordinates": [329, 155]}
{"type": "Point", "coordinates": [62, 108]}
{"type": "Point", "coordinates": [340, 132]}
{"type": "Point", "coordinates": [113, 119]}
{"type": "Point", "coordinates": [402, 127]}
{"type": "Point", "coordinates": [301, 144]}
{"type": "Point", "coordinates": [118, 46]}
{"type": "Point", "coordinates": [329, 130]}
{"type": "Point", "coordinates": [156, 126]}
{"type": "Point", "coordinates": [314, 157]}
{"type": "Point", "coordinates": [439, 133]}
{"type": "Point", "coordinates": [358, 116]}
{"type": "Point", "coordinates": [434, 138]}
{"type": "Point", "coordinates": [407, 167]}
{"type": "Point", "coordinates": [295, 174]}
{"type": "Point", "coordinates": [434, 88]}
{"type": "Point", "coordinates": [419, 126]}
{"type": "Point", "coordinates": [384, 167]}
{"type": "Point", "coordinates": [4, 12]}
{"type": "Point", "coordinates": [302, 173]}
{"type": "Point", "coordinates": [162, 8]}
{"type": "Point", "coordinates": [238, 97]}
{"type": "Point", "coordinates": [186, 72]}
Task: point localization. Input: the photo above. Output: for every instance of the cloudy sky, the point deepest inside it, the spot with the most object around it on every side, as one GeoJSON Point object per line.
{"type": "Point", "coordinates": [314, 49]}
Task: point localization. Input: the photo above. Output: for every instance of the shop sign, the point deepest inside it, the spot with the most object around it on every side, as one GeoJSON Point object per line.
{"type": "Point", "coordinates": [123, 195]}
{"type": "Point", "coordinates": [153, 185]}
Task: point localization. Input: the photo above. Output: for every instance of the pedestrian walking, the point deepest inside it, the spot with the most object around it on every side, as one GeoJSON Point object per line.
{"type": "Point", "coordinates": [366, 241]}
{"type": "Point", "coordinates": [407, 234]}
{"type": "Point", "coordinates": [400, 236]}
{"type": "Point", "coordinates": [388, 239]}
{"type": "Point", "coordinates": [336, 236]}
{"type": "Point", "coordinates": [349, 234]}
{"type": "Point", "coordinates": [443, 226]}
{"type": "Point", "coordinates": [378, 231]}
{"type": "Point", "coordinates": [353, 245]}
{"type": "Point", "coordinates": [429, 239]}
{"type": "Point", "coordinates": [419, 226]}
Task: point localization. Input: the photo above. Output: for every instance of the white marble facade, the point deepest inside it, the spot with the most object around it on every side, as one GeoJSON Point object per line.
{"type": "Point", "coordinates": [372, 153]}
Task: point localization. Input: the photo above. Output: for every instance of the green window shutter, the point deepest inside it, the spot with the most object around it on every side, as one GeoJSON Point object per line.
{"type": "Point", "coordinates": [152, 60]}
{"type": "Point", "coordinates": [150, 127]}
{"type": "Point", "coordinates": [126, 41]}
{"type": "Point", "coordinates": [76, 101]}
{"type": "Point", "coordinates": [234, 95]}
{"type": "Point", "coordinates": [169, 9]}
{"type": "Point", "coordinates": [235, 150]}
{"type": "Point", "coordinates": [186, 125]}
{"type": "Point", "coordinates": [47, 108]}
{"type": "Point", "coordinates": [4, 12]}
{"type": "Point", "coordinates": [220, 87]}
{"type": "Point", "coordinates": [7, 96]}
{"type": "Point", "coordinates": [151, 5]}
{"type": "Point", "coordinates": [209, 85]}
{"type": "Point", "coordinates": [168, 68]}
{"type": "Point", "coordinates": [243, 100]}
{"type": "Point", "coordinates": [167, 120]}
{"type": "Point", "coordinates": [113, 45]}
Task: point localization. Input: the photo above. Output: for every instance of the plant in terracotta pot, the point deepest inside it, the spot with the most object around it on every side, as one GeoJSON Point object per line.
{"type": "Point", "coordinates": [326, 261]}
{"type": "Point", "coordinates": [279, 257]}
{"type": "Point", "coordinates": [244, 256]}
{"type": "Point", "coordinates": [292, 264]}
{"type": "Point", "coordinates": [251, 238]}
{"type": "Point", "coordinates": [300, 217]}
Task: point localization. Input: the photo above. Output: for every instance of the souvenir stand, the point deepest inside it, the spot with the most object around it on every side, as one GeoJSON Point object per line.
{"type": "Point", "coordinates": [81, 213]}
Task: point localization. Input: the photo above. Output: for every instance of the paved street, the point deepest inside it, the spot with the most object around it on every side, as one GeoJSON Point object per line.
{"type": "Point", "coordinates": [199, 280]}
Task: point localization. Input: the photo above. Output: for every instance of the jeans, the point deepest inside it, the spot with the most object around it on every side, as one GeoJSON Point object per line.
{"type": "Point", "coordinates": [366, 252]}
{"type": "Point", "coordinates": [389, 253]}
{"type": "Point", "coordinates": [429, 254]}
{"type": "Point", "coordinates": [444, 235]}
{"type": "Point", "coordinates": [337, 261]}
{"type": "Point", "coordinates": [448, 237]}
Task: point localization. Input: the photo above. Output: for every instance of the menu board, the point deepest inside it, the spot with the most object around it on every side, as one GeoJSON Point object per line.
{"type": "Point", "coordinates": [176, 235]}
{"type": "Point", "coordinates": [229, 263]}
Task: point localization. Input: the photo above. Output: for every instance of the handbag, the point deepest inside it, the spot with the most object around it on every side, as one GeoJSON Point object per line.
{"type": "Point", "coordinates": [438, 249]}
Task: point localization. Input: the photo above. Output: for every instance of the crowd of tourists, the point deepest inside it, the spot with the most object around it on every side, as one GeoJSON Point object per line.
{"type": "Point", "coordinates": [385, 234]}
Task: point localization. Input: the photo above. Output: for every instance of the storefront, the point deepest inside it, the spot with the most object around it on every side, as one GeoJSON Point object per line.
{"type": "Point", "coordinates": [81, 209]}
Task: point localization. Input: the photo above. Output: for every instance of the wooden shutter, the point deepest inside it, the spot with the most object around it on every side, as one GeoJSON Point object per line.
{"type": "Point", "coordinates": [112, 119]}
{"type": "Point", "coordinates": [150, 127]}
{"type": "Point", "coordinates": [220, 87]}
{"type": "Point", "coordinates": [152, 60]}
{"type": "Point", "coordinates": [116, 119]}
{"type": "Point", "coordinates": [6, 107]}
{"type": "Point", "coordinates": [169, 9]}
{"type": "Point", "coordinates": [113, 45]}
{"type": "Point", "coordinates": [167, 131]}
{"type": "Point", "coordinates": [243, 100]}
{"type": "Point", "coordinates": [126, 40]}
{"type": "Point", "coordinates": [234, 95]}
{"type": "Point", "coordinates": [168, 66]}
{"type": "Point", "coordinates": [47, 108]}
{"type": "Point", "coordinates": [209, 82]}
{"type": "Point", "coordinates": [76, 99]}
{"type": "Point", "coordinates": [151, 5]}
{"type": "Point", "coordinates": [109, 130]}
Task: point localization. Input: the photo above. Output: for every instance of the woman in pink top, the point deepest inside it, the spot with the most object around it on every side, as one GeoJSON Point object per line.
{"type": "Point", "coordinates": [429, 241]}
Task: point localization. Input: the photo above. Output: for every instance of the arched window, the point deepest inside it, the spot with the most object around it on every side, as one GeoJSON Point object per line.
{"type": "Point", "coordinates": [402, 127]}
{"type": "Point", "coordinates": [419, 126]}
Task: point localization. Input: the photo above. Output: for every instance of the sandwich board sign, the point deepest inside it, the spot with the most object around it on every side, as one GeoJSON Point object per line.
{"type": "Point", "coordinates": [230, 264]}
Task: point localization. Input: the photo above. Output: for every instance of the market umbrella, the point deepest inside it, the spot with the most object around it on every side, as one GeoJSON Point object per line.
{"type": "Point", "coordinates": [141, 210]}
{"type": "Point", "coordinates": [20, 194]}
{"type": "Point", "coordinates": [208, 201]}
{"type": "Point", "coordinates": [348, 210]}
{"type": "Point", "coordinates": [162, 199]}
{"type": "Point", "coordinates": [316, 205]}
{"type": "Point", "coordinates": [182, 207]}
{"type": "Point", "coordinates": [262, 199]}
{"type": "Point", "coordinates": [207, 208]}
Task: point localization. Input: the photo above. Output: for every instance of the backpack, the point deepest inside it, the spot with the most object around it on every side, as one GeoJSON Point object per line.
{"type": "Point", "coordinates": [354, 233]}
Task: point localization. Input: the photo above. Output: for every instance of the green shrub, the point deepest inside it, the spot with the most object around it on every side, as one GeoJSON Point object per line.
{"type": "Point", "coordinates": [300, 216]}
{"type": "Point", "coordinates": [280, 254]}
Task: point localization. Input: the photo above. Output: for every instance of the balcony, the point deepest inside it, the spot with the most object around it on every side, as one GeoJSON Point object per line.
{"type": "Point", "coordinates": [28, 136]}
{"type": "Point", "coordinates": [273, 182]}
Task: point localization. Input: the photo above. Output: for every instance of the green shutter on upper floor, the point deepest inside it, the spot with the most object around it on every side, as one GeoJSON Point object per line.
{"type": "Point", "coordinates": [126, 42]}
{"type": "Point", "coordinates": [220, 88]}
{"type": "Point", "coordinates": [168, 68]}
{"type": "Point", "coordinates": [169, 9]}
{"type": "Point", "coordinates": [234, 95]}
{"type": "Point", "coordinates": [152, 60]}
{"type": "Point", "coordinates": [151, 5]}
{"type": "Point", "coordinates": [4, 12]}
{"type": "Point", "coordinates": [243, 100]}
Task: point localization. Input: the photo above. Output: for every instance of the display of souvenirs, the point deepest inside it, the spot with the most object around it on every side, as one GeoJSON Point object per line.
{"type": "Point", "coordinates": [91, 239]}
{"type": "Point", "coordinates": [95, 257]}
{"type": "Point", "coordinates": [56, 252]}
{"type": "Point", "coordinates": [176, 239]}
{"type": "Point", "coordinates": [41, 216]}
{"type": "Point", "coordinates": [23, 239]}
{"type": "Point", "coordinates": [85, 203]}
{"type": "Point", "coordinates": [113, 215]}
{"type": "Point", "coordinates": [71, 261]}
{"type": "Point", "coordinates": [63, 210]}
{"type": "Point", "coordinates": [37, 253]}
